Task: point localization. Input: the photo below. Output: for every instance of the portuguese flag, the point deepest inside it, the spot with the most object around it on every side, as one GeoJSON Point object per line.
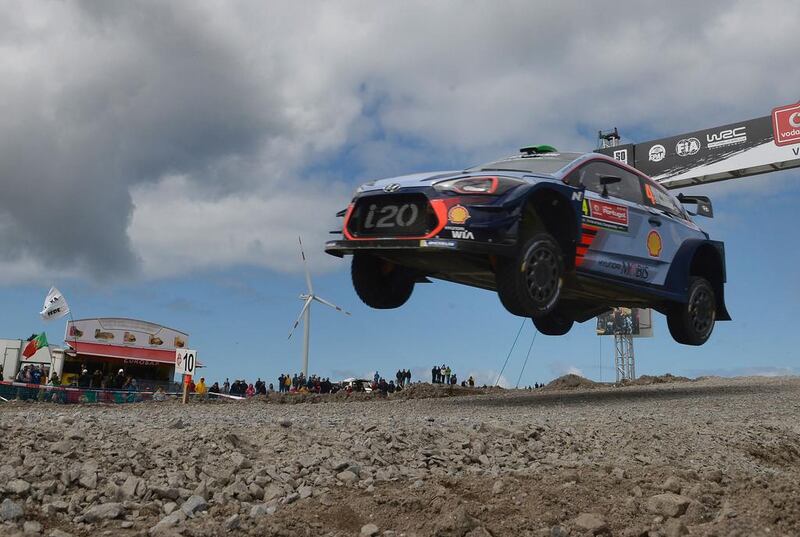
{"type": "Point", "coordinates": [34, 344]}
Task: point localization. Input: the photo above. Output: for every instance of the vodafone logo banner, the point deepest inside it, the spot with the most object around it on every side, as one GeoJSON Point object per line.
{"type": "Point", "coordinates": [786, 124]}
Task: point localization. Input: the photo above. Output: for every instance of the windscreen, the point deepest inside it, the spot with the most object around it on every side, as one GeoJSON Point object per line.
{"type": "Point", "coordinates": [547, 163]}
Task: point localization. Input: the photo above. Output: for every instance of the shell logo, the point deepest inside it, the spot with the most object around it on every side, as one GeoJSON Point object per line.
{"type": "Point", "coordinates": [458, 214]}
{"type": "Point", "coordinates": [654, 244]}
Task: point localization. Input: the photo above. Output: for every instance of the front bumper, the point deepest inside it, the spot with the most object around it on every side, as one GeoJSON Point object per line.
{"type": "Point", "coordinates": [341, 248]}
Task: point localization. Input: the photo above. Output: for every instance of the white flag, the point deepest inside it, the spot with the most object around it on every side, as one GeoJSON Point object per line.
{"type": "Point", "coordinates": [55, 305]}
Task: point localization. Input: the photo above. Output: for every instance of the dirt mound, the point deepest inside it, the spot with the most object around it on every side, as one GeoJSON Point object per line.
{"type": "Point", "coordinates": [430, 391]}
{"type": "Point", "coordinates": [571, 382]}
{"type": "Point", "coordinates": [646, 380]}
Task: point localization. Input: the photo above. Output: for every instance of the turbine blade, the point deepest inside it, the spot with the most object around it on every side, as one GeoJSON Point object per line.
{"type": "Point", "coordinates": [330, 304]}
{"type": "Point", "coordinates": [305, 266]}
{"type": "Point", "coordinates": [302, 311]}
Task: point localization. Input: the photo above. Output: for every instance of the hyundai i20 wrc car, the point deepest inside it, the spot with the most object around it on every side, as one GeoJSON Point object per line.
{"type": "Point", "coordinates": [561, 237]}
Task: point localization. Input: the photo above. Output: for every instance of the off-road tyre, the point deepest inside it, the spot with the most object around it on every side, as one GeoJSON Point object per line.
{"type": "Point", "coordinates": [553, 324]}
{"type": "Point", "coordinates": [692, 323]}
{"type": "Point", "coordinates": [529, 284]}
{"type": "Point", "coordinates": [380, 284]}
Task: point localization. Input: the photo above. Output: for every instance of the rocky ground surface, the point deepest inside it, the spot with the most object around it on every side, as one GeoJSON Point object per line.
{"type": "Point", "coordinates": [714, 457]}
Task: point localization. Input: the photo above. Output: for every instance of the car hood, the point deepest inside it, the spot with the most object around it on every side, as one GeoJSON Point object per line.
{"type": "Point", "coordinates": [415, 179]}
{"type": "Point", "coordinates": [429, 178]}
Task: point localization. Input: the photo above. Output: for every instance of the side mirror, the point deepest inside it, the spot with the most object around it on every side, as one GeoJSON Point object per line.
{"type": "Point", "coordinates": [703, 204]}
{"type": "Point", "coordinates": [606, 180]}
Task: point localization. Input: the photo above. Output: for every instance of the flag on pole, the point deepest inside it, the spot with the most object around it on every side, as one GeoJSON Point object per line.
{"type": "Point", "coordinates": [55, 305]}
{"type": "Point", "coordinates": [34, 345]}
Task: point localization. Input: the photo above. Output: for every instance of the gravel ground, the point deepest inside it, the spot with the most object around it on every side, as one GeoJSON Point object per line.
{"type": "Point", "coordinates": [713, 457]}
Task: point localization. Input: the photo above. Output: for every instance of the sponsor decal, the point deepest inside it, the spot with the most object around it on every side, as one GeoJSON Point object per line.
{"type": "Point", "coordinates": [462, 234]}
{"type": "Point", "coordinates": [654, 243]}
{"type": "Point", "coordinates": [390, 216]}
{"type": "Point", "coordinates": [577, 196]}
{"type": "Point", "coordinates": [786, 125]}
{"type": "Point", "coordinates": [606, 215]}
{"type": "Point", "coordinates": [437, 243]}
{"type": "Point", "coordinates": [627, 269]}
{"type": "Point", "coordinates": [726, 137]}
{"type": "Point", "coordinates": [656, 153]}
{"type": "Point", "coordinates": [687, 147]}
{"type": "Point", "coordinates": [621, 155]}
{"type": "Point", "coordinates": [458, 214]}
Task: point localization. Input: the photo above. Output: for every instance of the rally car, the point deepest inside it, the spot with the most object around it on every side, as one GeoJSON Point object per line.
{"type": "Point", "coordinates": [561, 237]}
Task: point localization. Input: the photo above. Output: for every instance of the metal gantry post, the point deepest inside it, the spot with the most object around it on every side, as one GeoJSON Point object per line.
{"type": "Point", "coordinates": [624, 359]}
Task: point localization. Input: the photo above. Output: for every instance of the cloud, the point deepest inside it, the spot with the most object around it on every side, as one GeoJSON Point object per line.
{"type": "Point", "coordinates": [148, 139]}
{"type": "Point", "coordinates": [559, 369]}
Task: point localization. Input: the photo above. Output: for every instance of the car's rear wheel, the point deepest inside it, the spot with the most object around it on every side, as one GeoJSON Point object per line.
{"type": "Point", "coordinates": [692, 323]}
{"type": "Point", "coordinates": [529, 284]}
{"type": "Point", "coordinates": [381, 284]}
{"type": "Point", "coordinates": [554, 324]}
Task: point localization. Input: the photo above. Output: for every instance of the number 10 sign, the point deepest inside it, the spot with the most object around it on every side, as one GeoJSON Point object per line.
{"type": "Point", "coordinates": [185, 361]}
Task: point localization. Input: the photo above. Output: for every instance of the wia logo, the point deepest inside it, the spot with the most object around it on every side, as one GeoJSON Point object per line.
{"type": "Point", "coordinates": [462, 234]}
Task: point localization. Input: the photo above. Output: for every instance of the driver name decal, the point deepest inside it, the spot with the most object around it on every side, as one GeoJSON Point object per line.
{"type": "Point", "coordinates": [605, 215]}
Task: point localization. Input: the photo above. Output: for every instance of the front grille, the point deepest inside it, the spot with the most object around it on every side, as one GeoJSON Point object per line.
{"type": "Point", "coordinates": [392, 215]}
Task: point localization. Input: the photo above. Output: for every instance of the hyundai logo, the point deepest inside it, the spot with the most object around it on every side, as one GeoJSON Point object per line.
{"type": "Point", "coordinates": [392, 188]}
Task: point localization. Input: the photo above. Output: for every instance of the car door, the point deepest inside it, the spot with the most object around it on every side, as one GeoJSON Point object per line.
{"type": "Point", "coordinates": [615, 224]}
{"type": "Point", "coordinates": [669, 228]}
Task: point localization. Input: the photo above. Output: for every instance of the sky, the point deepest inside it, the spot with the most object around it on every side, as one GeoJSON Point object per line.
{"type": "Point", "coordinates": [159, 160]}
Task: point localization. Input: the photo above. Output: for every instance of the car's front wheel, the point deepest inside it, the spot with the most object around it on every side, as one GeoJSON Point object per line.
{"type": "Point", "coordinates": [529, 284]}
{"type": "Point", "coordinates": [692, 323]}
{"type": "Point", "coordinates": [379, 283]}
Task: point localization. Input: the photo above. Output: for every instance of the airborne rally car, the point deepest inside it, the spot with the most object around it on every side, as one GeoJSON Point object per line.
{"type": "Point", "coordinates": [561, 237]}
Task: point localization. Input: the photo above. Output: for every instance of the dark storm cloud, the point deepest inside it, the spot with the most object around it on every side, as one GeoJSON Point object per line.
{"type": "Point", "coordinates": [126, 93]}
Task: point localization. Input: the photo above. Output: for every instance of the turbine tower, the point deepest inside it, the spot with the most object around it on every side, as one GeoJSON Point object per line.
{"type": "Point", "coordinates": [305, 312]}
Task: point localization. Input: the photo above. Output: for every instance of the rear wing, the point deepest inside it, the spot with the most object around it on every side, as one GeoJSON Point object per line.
{"type": "Point", "coordinates": [766, 144]}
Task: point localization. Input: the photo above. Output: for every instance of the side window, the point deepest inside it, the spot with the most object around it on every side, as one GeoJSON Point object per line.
{"type": "Point", "coordinates": [658, 197]}
{"type": "Point", "coordinates": [589, 175]}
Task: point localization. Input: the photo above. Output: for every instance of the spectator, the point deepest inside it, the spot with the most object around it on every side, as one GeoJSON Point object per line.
{"type": "Point", "coordinates": [453, 380]}
{"type": "Point", "coordinates": [287, 383]}
{"type": "Point", "coordinates": [192, 386]}
{"type": "Point", "coordinates": [85, 380]}
{"type": "Point", "coordinates": [447, 374]}
{"type": "Point", "coordinates": [251, 391]}
{"type": "Point", "coordinates": [214, 388]}
{"type": "Point", "coordinates": [119, 380]}
{"type": "Point", "coordinates": [131, 385]}
{"type": "Point", "coordinates": [408, 378]}
{"type": "Point", "coordinates": [200, 388]}
{"type": "Point", "coordinates": [226, 386]}
{"type": "Point", "coordinates": [97, 379]}
{"type": "Point", "coordinates": [159, 394]}
{"type": "Point", "coordinates": [271, 388]}
{"type": "Point", "coordinates": [54, 380]}
{"type": "Point", "coordinates": [471, 382]}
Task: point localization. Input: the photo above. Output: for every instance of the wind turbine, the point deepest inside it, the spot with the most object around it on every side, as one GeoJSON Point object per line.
{"type": "Point", "coordinates": [305, 312]}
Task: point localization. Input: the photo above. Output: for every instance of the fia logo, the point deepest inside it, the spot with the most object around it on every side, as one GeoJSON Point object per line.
{"type": "Point", "coordinates": [462, 234]}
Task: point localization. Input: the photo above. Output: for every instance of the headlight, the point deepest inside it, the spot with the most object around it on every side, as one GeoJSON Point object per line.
{"type": "Point", "coordinates": [489, 185]}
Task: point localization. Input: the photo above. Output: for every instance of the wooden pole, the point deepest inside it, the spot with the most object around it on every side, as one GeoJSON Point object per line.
{"type": "Point", "coordinates": [185, 388]}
